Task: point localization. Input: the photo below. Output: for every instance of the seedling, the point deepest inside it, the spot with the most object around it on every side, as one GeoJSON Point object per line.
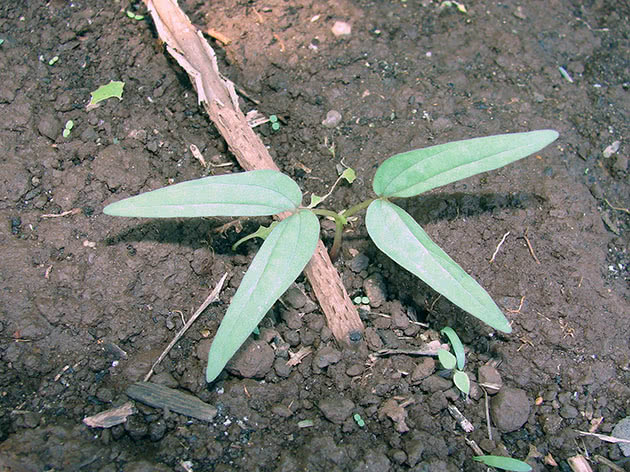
{"type": "Point", "coordinates": [504, 463]}
{"type": "Point", "coordinates": [134, 16]}
{"type": "Point", "coordinates": [455, 362]}
{"type": "Point", "coordinates": [291, 243]}
{"type": "Point", "coordinates": [112, 89]}
{"type": "Point", "coordinates": [275, 125]}
{"type": "Point", "coordinates": [68, 128]}
{"type": "Point", "coordinates": [53, 60]}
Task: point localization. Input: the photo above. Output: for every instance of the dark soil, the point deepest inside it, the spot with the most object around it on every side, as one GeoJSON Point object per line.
{"type": "Point", "coordinates": [78, 290]}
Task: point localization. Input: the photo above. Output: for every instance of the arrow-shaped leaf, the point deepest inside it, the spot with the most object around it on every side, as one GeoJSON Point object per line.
{"type": "Point", "coordinates": [398, 235]}
{"type": "Point", "coordinates": [255, 193]}
{"type": "Point", "coordinates": [281, 258]}
{"type": "Point", "coordinates": [414, 172]}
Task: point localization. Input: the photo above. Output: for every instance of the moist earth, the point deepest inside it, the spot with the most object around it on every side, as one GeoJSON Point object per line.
{"type": "Point", "coordinates": [88, 302]}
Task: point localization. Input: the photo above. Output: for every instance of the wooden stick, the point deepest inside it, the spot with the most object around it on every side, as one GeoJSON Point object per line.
{"type": "Point", "coordinates": [217, 94]}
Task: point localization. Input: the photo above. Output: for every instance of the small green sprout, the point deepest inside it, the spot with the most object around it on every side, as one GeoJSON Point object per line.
{"type": "Point", "coordinates": [289, 246]}
{"type": "Point", "coordinates": [110, 90]}
{"type": "Point", "coordinates": [68, 128]}
{"type": "Point", "coordinates": [53, 60]}
{"type": "Point", "coordinates": [455, 362]}
{"type": "Point", "coordinates": [275, 125]}
{"type": "Point", "coordinates": [1, 41]}
{"type": "Point", "coordinates": [305, 424]}
{"type": "Point", "coordinates": [134, 16]}
{"type": "Point", "coordinates": [505, 463]}
{"type": "Point", "coordinates": [359, 420]}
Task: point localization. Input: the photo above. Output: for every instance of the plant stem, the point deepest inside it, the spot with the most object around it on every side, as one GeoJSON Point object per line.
{"type": "Point", "coordinates": [357, 208]}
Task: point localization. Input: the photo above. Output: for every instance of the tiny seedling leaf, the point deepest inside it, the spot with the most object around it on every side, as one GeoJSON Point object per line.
{"type": "Point", "coordinates": [458, 347]}
{"type": "Point", "coordinates": [505, 463]}
{"type": "Point", "coordinates": [315, 200]}
{"type": "Point", "coordinates": [112, 89]}
{"type": "Point", "coordinates": [349, 174]}
{"type": "Point", "coordinates": [281, 258]}
{"type": "Point", "coordinates": [255, 193]}
{"type": "Point", "coordinates": [414, 172]}
{"type": "Point", "coordinates": [447, 359]}
{"type": "Point", "coordinates": [462, 382]}
{"type": "Point", "coordinates": [398, 235]}
{"type": "Point", "coordinates": [262, 232]}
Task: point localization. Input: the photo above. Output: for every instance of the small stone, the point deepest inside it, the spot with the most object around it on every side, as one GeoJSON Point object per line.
{"type": "Point", "coordinates": [396, 413]}
{"type": "Point", "coordinates": [490, 379]}
{"type": "Point", "coordinates": [157, 430]}
{"type": "Point", "coordinates": [423, 370]}
{"type": "Point", "coordinates": [374, 341]}
{"type": "Point", "coordinates": [568, 412]}
{"type": "Point", "coordinates": [136, 427]}
{"type": "Point", "coordinates": [326, 356]}
{"type": "Point", "coordinates": [358, 263]}
{"type": "Point", "coordinates": [510, 409]}
{"type": "Point", "coordinates": [622, 430]}
{"type": "Point", "coordinates": [336, 409]}
{"type": "Point", "coordinates": [354, 370]}
{"type": "Point", "coordinates": [49, 126]}
{"type": "Point", "coordinates": [253, 360]}
{"type": "Point", "coordinates": [374, 288]}
{"type": "Point", "coordinates": [341, 28]}
{"type": "Point", "coordinates": [400, 320]}
{"type": "Point", "coordinates": [282, 368]}
{"type": "Point", "coordinates": [435, 383]}
{"type": "Point", "coordinates": [295, 298]}
{"type": "Point", "coordinates": [333, 118]}
{"type": "Point", "coordinates": [621, 164]}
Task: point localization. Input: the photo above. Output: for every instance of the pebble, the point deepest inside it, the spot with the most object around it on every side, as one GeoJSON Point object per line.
{"type": "Point", "coordinates": [49, 126]}
{"type": "Point", "coordinates": [295, 298]}
{"type": "Point", "coordinates": [423, 370]}
{"type": "Point", "coordinates": [375, 290]}
{"type": "Point", "coordinates": [336, 409]}
{"type": "Point", "coordinates": [326, 356]}
{"type": "Point", "coordinates": [341, 28]}
{"type": "Point", "coordinates": [358, 263]}
{"type": "Point", "coordinates": [333, 118]}
{"type": "Point", "coordinates": [510, 409]}
{"type": "Point", "coordinates": [622, 430]}
{"type": "Point", "coordinates": [253, 360]}
{"type": "Point", "coordinates": [488, 375]}
{"type": "Point", "coordinates": [435, 383]}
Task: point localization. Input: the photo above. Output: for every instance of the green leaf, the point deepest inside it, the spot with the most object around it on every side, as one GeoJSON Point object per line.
{"type": "Point", "coordinates": [112, 89]}
{"type": "Point", "coordinates": [277, 264]}
{"type": "Point", "coordinates": [349, 174]}
{"type": "Point", "coordinates": [397, 234]}
{"type": "Point", "coordinates": [462, 382]}
{"type": "Point", "coordinates": [255, 193]}
{"type": "Point", "coordinates": [458, 347]}
{"type": "Point", "coordinates": [505, 463]}
{"type": "Point", "coordinates": [262, 232]}
{"type": "Point", "coordinates": [414, 172]}
{"type": "Point", "coordinates": [447, 359]}
{"type": "Point", "coordinates": [315, 200]}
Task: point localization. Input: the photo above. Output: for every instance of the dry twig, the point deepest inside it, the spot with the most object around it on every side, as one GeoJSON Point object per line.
{"type": "Point", "coordinates": [212, 297]}
{"type": "Point", "coordinates": [218, 96]}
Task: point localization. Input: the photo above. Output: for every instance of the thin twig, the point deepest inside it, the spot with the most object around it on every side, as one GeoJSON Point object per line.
{"type": "Point", "coordinates": [602, 460]}
{"type": "Point", "coordinates": [616, 208]}
{"type": "Point", "coordinates": [496, 251]}
{"type": "Point", "coordinates": [212, 297]}
{"type": "Point", "coordinates": [604, 437]}
{"type": "Point", "coordinates": [463, 422]}
{"type": "Point", "coordinates": [531, 249]}
{"type": "Point", "coordinates": [74, 211]}
{"type": "Point", "coordinates": [473, 445]}
{"type": "Point", "coordinates": [485, 392]}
